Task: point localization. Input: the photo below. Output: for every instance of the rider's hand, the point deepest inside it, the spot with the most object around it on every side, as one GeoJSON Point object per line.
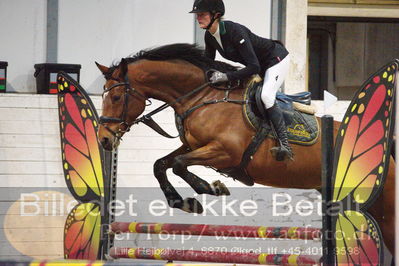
{"type": "Point", "coordinates": [218, 77]}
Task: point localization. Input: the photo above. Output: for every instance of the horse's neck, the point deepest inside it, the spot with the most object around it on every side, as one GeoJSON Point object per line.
{"type": "Point", "coordinates": [171, 81]}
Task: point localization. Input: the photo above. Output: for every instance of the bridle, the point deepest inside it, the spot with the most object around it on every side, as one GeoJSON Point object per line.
{"type": "Point", "coordinates": [147, 119]}
{"type": "Point", "coordinates": [128, 91]}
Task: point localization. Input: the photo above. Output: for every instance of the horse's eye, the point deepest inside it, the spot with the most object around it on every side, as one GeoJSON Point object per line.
{"type": "Point", "coordinates": [116, 98]}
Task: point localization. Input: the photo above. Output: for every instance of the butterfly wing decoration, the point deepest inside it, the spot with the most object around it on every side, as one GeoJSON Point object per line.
{"type": "Point", "coordinates": [83, 166]}
{"type": "Point", "coordinates": [82, 236]}
{"type": "Point", "coordinates": [361, 159]}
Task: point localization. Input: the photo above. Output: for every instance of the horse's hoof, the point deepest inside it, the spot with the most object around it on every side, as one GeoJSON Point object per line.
{"type": "Point", "coordinates": [192, 205]}
{"type": "Point", "coordinates": [219, 188]}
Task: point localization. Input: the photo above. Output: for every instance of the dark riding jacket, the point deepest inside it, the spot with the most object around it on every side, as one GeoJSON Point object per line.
{"type": "Point", "coordinates": [257, 54]}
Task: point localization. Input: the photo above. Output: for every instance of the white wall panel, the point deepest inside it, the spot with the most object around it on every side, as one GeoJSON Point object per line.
{"type": "Point", "coordinates": [254, 14]}
{"type": "Point", "coordinates": [104, 31]}
{"type": "Point", "coordinates": [23, 41]}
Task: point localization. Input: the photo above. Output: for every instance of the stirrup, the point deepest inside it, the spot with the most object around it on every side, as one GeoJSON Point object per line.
{"type": "Point", "coordinates": [281, 152]}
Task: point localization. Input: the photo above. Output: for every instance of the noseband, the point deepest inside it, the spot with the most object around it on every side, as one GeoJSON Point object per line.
{"type": "Point", "coordinates": [128, 91]}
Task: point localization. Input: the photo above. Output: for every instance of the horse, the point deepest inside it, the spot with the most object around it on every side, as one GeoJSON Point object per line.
{"type": "Point", "coordinates": [215, 135]}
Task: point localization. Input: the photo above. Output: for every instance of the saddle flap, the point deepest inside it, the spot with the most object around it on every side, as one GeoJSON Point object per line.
{"type": "Point", "coordinates": [259, 102]}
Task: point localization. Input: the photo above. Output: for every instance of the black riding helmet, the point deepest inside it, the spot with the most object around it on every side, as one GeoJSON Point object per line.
{"type": "Point", "coordinates": [212, 6]}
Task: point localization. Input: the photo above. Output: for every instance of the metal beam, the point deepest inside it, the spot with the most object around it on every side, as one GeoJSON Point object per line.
{"type": "Point", "coordinates": [278, 18]}
{"type": "Point", "coordinates": [52, 31]}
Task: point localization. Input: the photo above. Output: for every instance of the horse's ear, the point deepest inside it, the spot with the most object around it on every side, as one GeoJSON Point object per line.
{"type": "Point", "coordinates": [122, 68]}
{"type": "Point", "coordinates": [102, 68]}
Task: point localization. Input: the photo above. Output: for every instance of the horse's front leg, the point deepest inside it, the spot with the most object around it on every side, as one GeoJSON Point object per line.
{"type": "Point", "coordinates": [208, 155]}
{"type": "Point", "coordinates": [172, 196]}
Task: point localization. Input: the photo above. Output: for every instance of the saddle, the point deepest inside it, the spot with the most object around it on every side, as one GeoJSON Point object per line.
{"type": "Point", "coordinates": [302, 126]}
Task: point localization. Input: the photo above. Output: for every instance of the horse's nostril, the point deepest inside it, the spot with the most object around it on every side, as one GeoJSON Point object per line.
{"type": "Point", "coordinates": [105, 142]}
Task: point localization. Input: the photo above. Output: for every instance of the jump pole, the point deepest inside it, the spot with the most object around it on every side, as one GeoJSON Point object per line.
{"type": "Point", "coordinates": [305, 233]}
{"type": "Point", "coordinates": [214, 257]}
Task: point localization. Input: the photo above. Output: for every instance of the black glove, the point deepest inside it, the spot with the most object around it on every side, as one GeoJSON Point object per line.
{"type": "Point", "coordinates": [218, 77]}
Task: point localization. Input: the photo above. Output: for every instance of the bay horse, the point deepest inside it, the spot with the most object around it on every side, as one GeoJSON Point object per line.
{"type": "Point", "coordinates": [215, 135]}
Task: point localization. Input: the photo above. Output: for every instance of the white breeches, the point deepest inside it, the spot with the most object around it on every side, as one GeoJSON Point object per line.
{"type": "Point", "coordinates": [274, 78]}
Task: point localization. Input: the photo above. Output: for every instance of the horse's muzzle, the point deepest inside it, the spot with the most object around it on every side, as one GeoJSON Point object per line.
{"type": "Point", "coordinates": [107, 144]}
{"type": "Point", "coordinates": [108, 139]}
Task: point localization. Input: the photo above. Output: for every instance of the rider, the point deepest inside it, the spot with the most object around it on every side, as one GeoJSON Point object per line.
{"type": "Point", "coordinates": [259, 56]}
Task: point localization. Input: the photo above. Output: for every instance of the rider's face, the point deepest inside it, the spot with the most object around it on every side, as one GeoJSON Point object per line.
{"type": "Point", "coordinates": [203, 18]}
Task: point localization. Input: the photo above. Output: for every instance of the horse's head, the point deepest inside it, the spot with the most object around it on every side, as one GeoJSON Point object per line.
{"type": "Point", "coordinates": [122, 104]}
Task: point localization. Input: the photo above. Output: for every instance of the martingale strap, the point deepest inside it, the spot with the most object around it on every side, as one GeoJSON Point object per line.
{"type": "Point", "coordinates": [239, 172]}
{"type": "Point", "coordinates": [224, 100]}
{"type": "Point", "coordinates": [180, 118]}
{"type": "Point", "coordinates": [148, 121]}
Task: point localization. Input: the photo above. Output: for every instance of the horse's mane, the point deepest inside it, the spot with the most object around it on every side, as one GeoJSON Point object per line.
{"type": "Point", "coordinates": [182, 51]}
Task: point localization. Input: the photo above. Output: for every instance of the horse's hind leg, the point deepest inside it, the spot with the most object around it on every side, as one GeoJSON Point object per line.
{"type": "Point", "coordinates": [207, 156]}
{"type": "Point", "coordinates": [172, 196]}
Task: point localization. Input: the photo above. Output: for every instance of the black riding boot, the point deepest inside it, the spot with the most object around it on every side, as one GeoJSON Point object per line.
{"type": "Point", "coordinates": [276, 117]}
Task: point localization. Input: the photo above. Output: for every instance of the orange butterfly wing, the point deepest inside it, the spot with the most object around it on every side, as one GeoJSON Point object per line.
{"type": "Point", "coordinates": [82, 232]}
{"type": "Point", "coordinates": [83, 170]}
{"type": "Point", "coordinates": [361, 161]}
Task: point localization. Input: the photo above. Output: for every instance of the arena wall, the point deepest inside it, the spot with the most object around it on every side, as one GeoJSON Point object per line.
{"type": "Point", "coordinates": [30, 161]}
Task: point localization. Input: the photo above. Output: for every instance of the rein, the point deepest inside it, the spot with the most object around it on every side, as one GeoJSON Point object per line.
{"type": "Point", "coordinates": [145, 119]}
